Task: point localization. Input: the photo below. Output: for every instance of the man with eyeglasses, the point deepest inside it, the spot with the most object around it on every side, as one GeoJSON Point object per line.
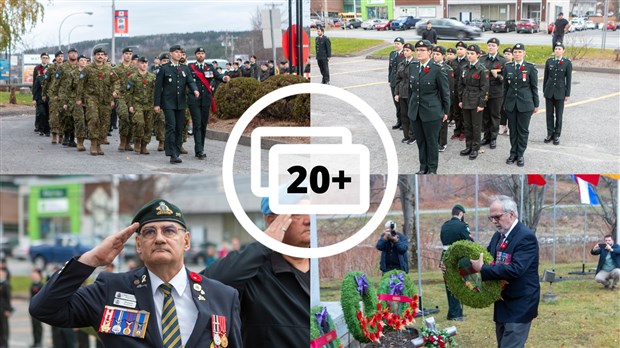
{"type": "Point", "coordinates": [515, 251]}
{"type": "Point", "coordinates": [160, 305]}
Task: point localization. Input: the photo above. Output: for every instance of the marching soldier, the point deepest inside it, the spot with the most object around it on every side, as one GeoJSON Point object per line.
{"type": "Point", "coordinates": [170, 84]}
{"type": "Point", "coordinates": [402, 93]}
{"type": "Point", "coordinates": [39, 100]}
{"type": "Point", "coordinates": [520, 101]}
{"type": "Point", "coordinates": [461, 62]}
{"type": "Point", "coordinates": [95, 91]}
{"type": "Point", "coordinates": [439, 53]}
{"type": "Point", "coordinates": [67, 94]}
{"type": "Point", "coordinates": [556, 88]}
{"type": "Point", "coordinates": [395, 58]}
{"type": "Point", "coordinates": [123, 71]}
{"type": "Point", "coordinates": [159, 123]}
{"type": "Point", "coordinates": [473, 95]}
{"type": "Point", "coordinates": [494, 62]}
{"type": "Point", "coordinates": [63, 74]}
{"type": "Point", "coordinates": [140, 88]}
{"type": "Point", "coordinates": [429, 104]}
{"type": "Point", "coordinates": [503, 122]}
{"type": "Point", "coordinates": [187, 128]}
{"type": "Point", "coordinates": [54, 105]}
{"type": "Point", "coordinates": [323, 53]}
{"type": "Point", "coordinates": [204, 75]}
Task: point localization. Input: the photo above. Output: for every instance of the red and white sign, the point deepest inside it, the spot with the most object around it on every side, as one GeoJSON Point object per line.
{"type": "Point", "coordinates": [121, 23]}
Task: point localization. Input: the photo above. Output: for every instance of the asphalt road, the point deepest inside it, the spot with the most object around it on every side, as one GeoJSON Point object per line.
{"type": "Point", "coordinates": [591, 37]}
{"type": "Point", "coordinates": [25, 152]}
{"type": "Point", "coordinates": [589, 142]}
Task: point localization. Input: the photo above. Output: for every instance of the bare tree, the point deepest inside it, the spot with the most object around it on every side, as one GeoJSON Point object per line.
{"type": "Point", "coordinates": [608, 203]}
{"type": "Point", "coordinates": [406, 186]}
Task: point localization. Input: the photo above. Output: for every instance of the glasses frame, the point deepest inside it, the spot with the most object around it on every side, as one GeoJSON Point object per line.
{"type": "Point", "coordinates": [162, 231]}
{"type": "Point", "coordinates": [497, 217]}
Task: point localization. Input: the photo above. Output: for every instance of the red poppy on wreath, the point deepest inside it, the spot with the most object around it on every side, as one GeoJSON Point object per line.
{"type": "Point", "coordinates": [100, 76]}
{"type": "Point", "coordinates": [497, 66]}
{"type": "Point", "coordinates": [476, 76]}
{"type": "Point", "coordinates": [561, 62]}
{"type": "Point", "coordinates": [426, 69]}
{"type": "Point", "coordinates": [195, 277]}
{"type": "Point", "coordinates": [522, 68]}
{"type": "Point", "coordinates": [144, 82]}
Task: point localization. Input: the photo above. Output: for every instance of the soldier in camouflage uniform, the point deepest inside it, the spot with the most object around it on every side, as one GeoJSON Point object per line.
{"type": "Point", "coordinates": [159, 123]}
{"type": "Point", "coordinates": [63, 75]}
{"type": "Point", "coordinates": [67, 95]}
{"type": "Point", "coordinates": [140, 89]}
{"type": "Point", "coordinates": [95, 90]}
{"type": "Point", "coordinates": [123, 71]}
{"type": "Point", "coordinates": [54, 105]}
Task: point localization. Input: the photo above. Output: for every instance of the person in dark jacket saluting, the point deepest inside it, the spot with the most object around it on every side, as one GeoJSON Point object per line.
{"type": "Point", "coordinates": [323, 53]}
{"type": "Point", "coordinates": [556, 88]}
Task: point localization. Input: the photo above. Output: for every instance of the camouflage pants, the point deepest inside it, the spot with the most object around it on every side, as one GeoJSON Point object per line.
{"type": "Point", "coordinates": [54, 114]}
{"type": "Point", "coordinates": [79, 123]}
{"type": "Point", "coordinates": [66, 117]}
{"type": "Point", "coordinates": [97, 117]}
{"type": "Point", "coordinates": [125, 124]}
{"type": "Point", "coordinates": [143, 122]}
{"type": "Point", "coordinates": [188, 119]}
{"type": "Point", "coordinates": [159, 124]}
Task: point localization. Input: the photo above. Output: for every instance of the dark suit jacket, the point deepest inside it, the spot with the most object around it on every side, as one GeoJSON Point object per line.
{"type": "Point", "coordinates": [323, 47]}
{"type": "Point", "coordinates": [557, 80]}
{"type": "Point", "coordinates": [205, 96]}
{"type": "Point", "coordinates": [63, 303]}
{"type": "Point", "coordinates": [430, 92]}
{"type": "Point", "coordinates": [519, 267]}
{"type": "Point", "coordinates": [519, 94]}
{"type": "Point", "coordinates": [170, 86]}
{"type": "Point", "coordinates": [615, 256]}
{"type": "Point", "coordinates": [394, 60]}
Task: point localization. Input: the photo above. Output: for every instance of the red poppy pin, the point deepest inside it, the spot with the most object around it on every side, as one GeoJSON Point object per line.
{"type": "Point", "coordinates": [128, 74]}
{"type": "Point", "coordinates": [426, 69]}
{"type": "Point", "coordinates": [144, 82]}
{"type": "Point", "coordinates": [561, 62]}
{"type": "Point", "coordinates": [503, 246]}
{"type": "Point", "coordinates": [195, 277]}
{"type": "Point", "coordinates": [476, 76]}
{"type": "Point", "coordinates": [100, 76]}
{"type": "Point", "coordinates": [400, 55]}
{"type": "Point", "coordinates": [497, 66]}
{"type": "Point", "coordinates": [522, 68]}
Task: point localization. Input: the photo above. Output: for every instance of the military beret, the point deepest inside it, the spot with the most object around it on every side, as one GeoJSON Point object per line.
{"type": "Point", "coordinates": [44, 54]}
{"type": "Point", "coordinates": [98, 50]}
{"type": "Point", "coordinates": [182, 50]}
{"type": "Point", "coordinates": [58, 53]}
{"type": "Point", "coordinates": [507, 49]}
{"type": "Point", "coordinates": [215, 62]}
{"type": "Point", "coordinates": [158, 210]}
{"type": "Point", "coordinates": [493, 40]}
{"type": "Point", "coordinates": [82, 56]}
{"type": "Point", "coordinates": [461, 44]}
{"type": "Point", "coordinates": [459, 207]}
{"type": "Point", "coordinates": [127, 49]}
{"type": "Point", "coordinates": [143, 60]}
{"type": "Point", "coordinates": [246, 62]}
{"type": "Point", "coordinates": [519, 46]}
{"type": "Point", "coordinates": [440, 49]}
{"type": "Point", "coordinates": [72, 49]}
{"type": "Point", "coordinates": [164, 56]}
{"type": "Point", "coordinates": [399, 39]}
{"type": "Point", "coordinates": [423, 43]}
{"type": "Point", "coordinates": [408, 45]}
{"type": "Point", "coordinates": [199, 49]}
{"type": "Point", "coordinates": [474, 48]}
{"type": "Point", "coordinates": [135, 56]}
{"type": "Point", "coordinates": [175, 48]}
{"type": "Point", "coordinates": [558, 44]}
{"type": "Point", "coordinates": [451, 50]}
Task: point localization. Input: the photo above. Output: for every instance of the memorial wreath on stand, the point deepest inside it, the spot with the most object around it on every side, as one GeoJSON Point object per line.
{"type": "Point", "coordinates": [364, 324]}
{"type": "Point", "coordinates": [399, 299]}
{"type": "Point", "coordinates": [322, 329]}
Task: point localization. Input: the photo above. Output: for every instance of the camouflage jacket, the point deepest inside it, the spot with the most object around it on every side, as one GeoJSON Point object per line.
{"type": "Point", "coordinates": [140, 89]}
{"type": "Point", "coordinates": [50, 80]}
{"type": "Point", "coordinates": [123, 73]}
{"type": "Point", "coordinates": [64, 88]}
{"type": "Point", "coordinates": [96, 82]}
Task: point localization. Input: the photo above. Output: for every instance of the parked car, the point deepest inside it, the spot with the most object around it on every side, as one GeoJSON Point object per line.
{"type": "Point", "coordinates": [384, 26]}
{"type": "Point", "coordinates": [611, 26]}
{"type": "Point", "coordinates": [528, 25]}
{"type": "Point", "coordinates": [449, 28]}
{"type": "Point", "coordinates": [577, 24]}
{"type": "Point", "coordinates": [6, 249]}
{"type": "Point", "coordinates": [482, 24]}
{"type": "Point", "coordinates": [352, 23]}
{"type": "Point", "coordinates": [62, 249]}
{"type": "Point", "coordinates": [504, 26]}
{"type": "Point", "coordinates": [370, 24]}
{"type": "Point", "coordinates": [404, 22]}
{"type": "Point", "coordinates": [590, 25]}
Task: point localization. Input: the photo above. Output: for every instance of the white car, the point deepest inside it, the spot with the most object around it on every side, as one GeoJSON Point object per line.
{"type": "Point", "coordinates": [370, 24]}
{"type": "Point", "coordinates": [590, 25]}
{"type": "Point", "coordinates": [577, 24]}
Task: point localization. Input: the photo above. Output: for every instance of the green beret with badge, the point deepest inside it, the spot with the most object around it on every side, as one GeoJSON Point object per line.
{"type": "Point", "coordinates": [519, 46]}
{"type": "Point", "coordinates": [461, 44]}
{"type": "Point", "coordinates": [493, 40]}
{"type": "Point", "coordinates": [474, 48]}
{"type": "Point", "coordinates": [440, 49]}
{"type": "Point", "coordinates": [423, 44]}
{"type": "Point", "coordinates": [158, 210]}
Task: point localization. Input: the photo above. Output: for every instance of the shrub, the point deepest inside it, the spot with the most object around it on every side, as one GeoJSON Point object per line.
{"type": "Point", "coordinates": [285, 109]}
{"type": "Point", "coordinates": [236, 96]}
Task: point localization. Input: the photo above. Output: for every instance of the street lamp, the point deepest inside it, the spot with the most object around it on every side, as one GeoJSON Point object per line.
{"type": "Point", "coordinates": [61, 23]}
{"type": "Point", "coordinates": [77, 26]}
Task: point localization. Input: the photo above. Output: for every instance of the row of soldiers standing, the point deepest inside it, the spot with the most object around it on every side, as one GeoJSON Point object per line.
{"type": "Point", "coordinates": [482, 92]}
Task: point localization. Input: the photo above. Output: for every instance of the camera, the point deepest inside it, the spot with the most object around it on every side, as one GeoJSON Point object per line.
{"type": "Point", "coordinates": [393, 233]}
{"type": "Point", "coordinates": [602, 245]}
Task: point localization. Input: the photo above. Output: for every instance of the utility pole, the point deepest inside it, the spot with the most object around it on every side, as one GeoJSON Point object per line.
{"type": "Point", "coordinates": [112, 55]}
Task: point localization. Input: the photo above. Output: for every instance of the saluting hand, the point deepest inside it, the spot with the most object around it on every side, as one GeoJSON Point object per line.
{"type": "Point", "coordinates": [104, 253]}
{"type": "Point", "coordinates": [278, 227]}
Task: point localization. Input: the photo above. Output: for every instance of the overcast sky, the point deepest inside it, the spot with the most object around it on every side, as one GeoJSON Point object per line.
{"type": "Point", "coordinates": [146, 17]}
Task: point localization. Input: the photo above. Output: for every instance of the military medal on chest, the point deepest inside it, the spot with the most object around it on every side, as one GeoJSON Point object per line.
{"type": "Point", "coordinates": [218, 330]}
{"type": "Point", "coordinates": [116, 329]}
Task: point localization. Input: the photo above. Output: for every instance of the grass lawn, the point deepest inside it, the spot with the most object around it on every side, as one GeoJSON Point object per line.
{"type": "Point", "coordinates": [581, 317]}
{"type": "Point", "coordinates": [347, 46]}
{"type": "Point", "coordinates": [22, 99]}
{"type": "Point", "coordinates": [535, 53]}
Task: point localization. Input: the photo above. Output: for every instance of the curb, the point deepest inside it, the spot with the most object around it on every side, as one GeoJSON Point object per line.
{"type": "Point", "coordinates": [266, 144]}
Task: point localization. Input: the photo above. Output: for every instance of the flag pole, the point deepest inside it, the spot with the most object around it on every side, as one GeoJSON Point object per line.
{"type": "Point", "coordinates": [417, 230]}
{"type": "Point", "coordinates": [585, 229]}
{"type": "Point", "coordinates": [555, 185]}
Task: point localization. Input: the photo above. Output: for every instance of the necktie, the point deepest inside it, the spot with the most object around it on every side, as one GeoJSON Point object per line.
{"type": "Point", "coordinates": [170, 331]}
{"type": "Point", "coordinates": [500, 241]}
{"type": "Point", "coordinates": [518, 66]}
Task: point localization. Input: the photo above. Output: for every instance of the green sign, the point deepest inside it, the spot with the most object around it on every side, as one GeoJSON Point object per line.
{"type": "Point", "coordinates": [53, 192]}
{"type": "Point", "coordinates": [63, 201]}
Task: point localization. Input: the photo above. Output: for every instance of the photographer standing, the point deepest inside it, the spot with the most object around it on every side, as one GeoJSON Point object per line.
{"type": "Point", "coordinates": [393, 246]}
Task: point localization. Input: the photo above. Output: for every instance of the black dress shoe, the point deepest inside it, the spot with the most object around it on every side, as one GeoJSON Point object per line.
{"type": "Point", "coordinates": [520, 162]}
{"type": "Point", "coordinates": [397, 125]}
{"type": "Point", "coordinates": [201, 156]}
{"type": "Point", "coordinates": [548, 139]}
{"type": "Point", "coordinates": [485, 142]}
{"type": "Point", "coordinates": [465, 152]}
{"type": "Point", "coordinates": [493, 144]}
{"type": "Point", "coordinates": [405, 140]}
{"type": "Point", "coordinates": [175, 160]}
{"type": "Point", "coordinates": [511, 159]}
{"type": "Point", "coordinates": [421, 172]}
{"type": "Point", "coordinates": [556, 141]}
{"type": "Point", "coordinates": [473, 154]}
{"type": "Point", "coordinates": [411, 141]}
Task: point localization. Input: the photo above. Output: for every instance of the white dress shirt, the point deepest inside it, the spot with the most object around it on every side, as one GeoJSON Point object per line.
{"type": "Point", "coordinates": [187, 313]}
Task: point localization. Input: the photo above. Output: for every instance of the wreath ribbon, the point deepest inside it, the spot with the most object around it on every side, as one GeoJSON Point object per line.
{"type": "Point", "coordinates": [323, 340]}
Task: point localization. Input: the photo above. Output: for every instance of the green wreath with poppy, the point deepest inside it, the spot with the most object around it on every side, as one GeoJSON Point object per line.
{"type": "Point", "coordinates": [406, 310]}
{"type": "Point", "coordinates": [315, 329]}
{"type": "Point", "coordinates": [365, 325]}
{"type": "Point", "coordinates": [470, 290]}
